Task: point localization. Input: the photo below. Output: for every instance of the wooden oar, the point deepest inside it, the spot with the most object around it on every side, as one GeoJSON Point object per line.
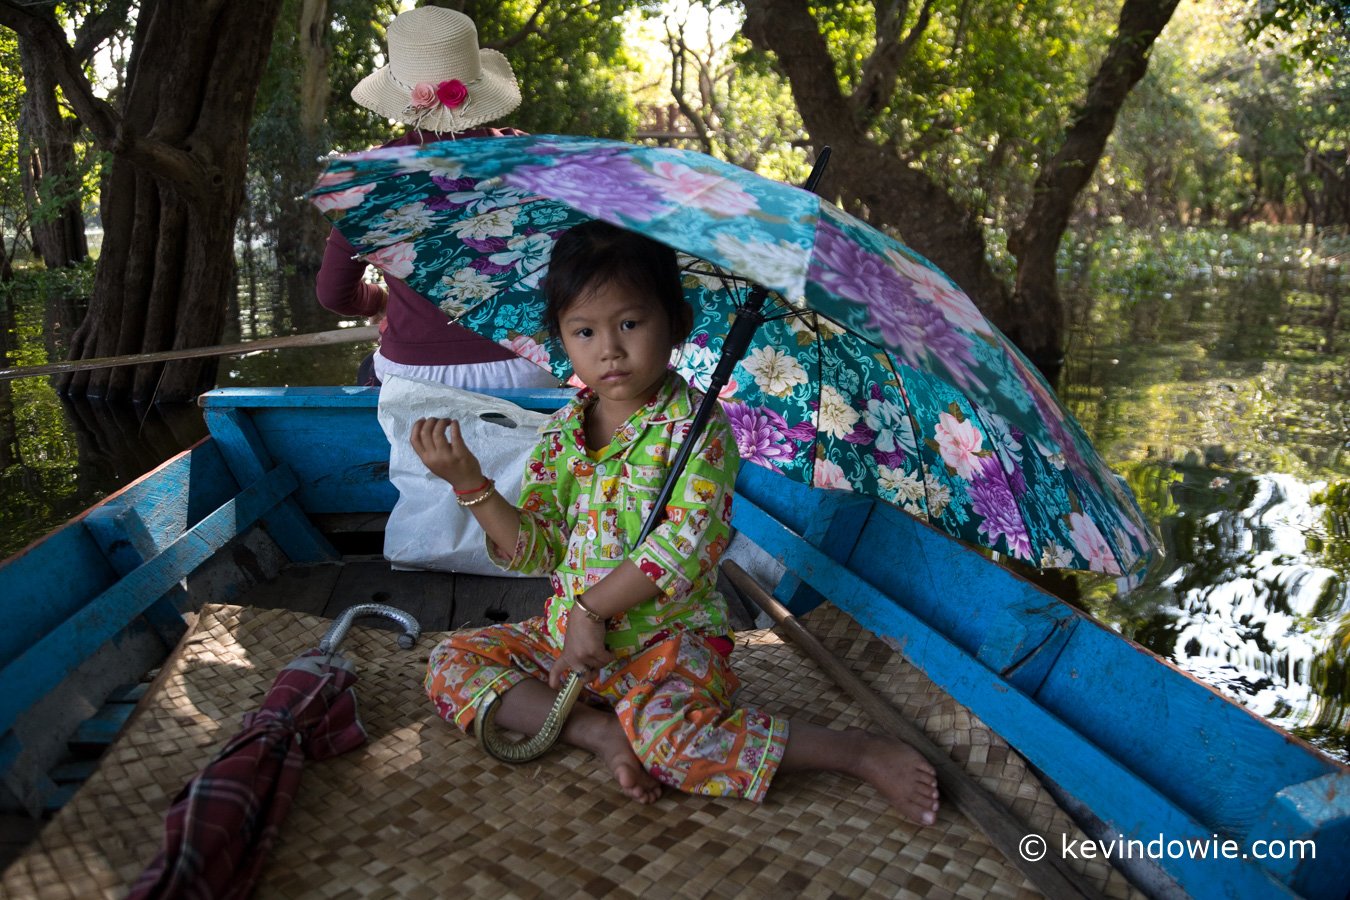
{"type": "Point", "coordinates": [316, 339]}
{"type": "Point", "coordinates": [1050, 874]}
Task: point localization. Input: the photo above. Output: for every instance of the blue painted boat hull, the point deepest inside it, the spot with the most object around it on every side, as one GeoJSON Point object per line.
{"type": "Point", "coordinates": [1155, 755]}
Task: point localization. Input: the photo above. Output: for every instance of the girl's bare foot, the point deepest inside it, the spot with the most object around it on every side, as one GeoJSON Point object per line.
{"type": "Point", "coordinates": [628, 772]}
{"type": "Point", "coordinates": [525, 706]}
{"type": "Point", "coordinates": [898, 771]}
{"type": "Point", "coordinates": [902, 775]}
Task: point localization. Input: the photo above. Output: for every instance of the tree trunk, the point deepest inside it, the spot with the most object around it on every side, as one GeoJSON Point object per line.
{"type": "Point", "coordinates": [47, 153]}
{"type": "Point", "coordinates": [875, 181]}
{"type": "Point", "coordinates": [179, 144]}
{"type": "Point", "coordinates": [301, 231]}
{"type": "Point", "coordinates": [870, 178]}
{"type": "Point", "coordinates": [1037, 317]}
{"type": "Point", "coordinates": [314, 55]}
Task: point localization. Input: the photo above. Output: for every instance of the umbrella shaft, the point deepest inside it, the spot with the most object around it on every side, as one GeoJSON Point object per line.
{"type": "Point", "coordinates": [748, 319]}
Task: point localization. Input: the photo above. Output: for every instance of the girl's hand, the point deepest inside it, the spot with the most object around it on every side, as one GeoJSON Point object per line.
{"type": "Point", "coordinates": [584, 650]}
{"type": "Point", "coordinates": [445, 454]}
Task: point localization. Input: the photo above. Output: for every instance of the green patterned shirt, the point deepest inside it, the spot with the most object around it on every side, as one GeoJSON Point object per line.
{"type": "Point", "coordinates": [581, 514]}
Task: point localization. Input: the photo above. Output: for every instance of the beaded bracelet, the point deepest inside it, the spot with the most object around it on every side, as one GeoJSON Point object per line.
{"type": "Point", "coordinates": [491, 489]}
{"type": "Point", "coordinates": [590, 613]}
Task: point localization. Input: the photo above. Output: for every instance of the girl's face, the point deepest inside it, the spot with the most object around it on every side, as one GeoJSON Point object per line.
{"type": "Point", "coordinates": [619, 342]}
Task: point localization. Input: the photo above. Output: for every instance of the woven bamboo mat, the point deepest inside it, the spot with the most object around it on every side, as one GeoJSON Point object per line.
{"type": "Point", "coordinates": [421, 812]}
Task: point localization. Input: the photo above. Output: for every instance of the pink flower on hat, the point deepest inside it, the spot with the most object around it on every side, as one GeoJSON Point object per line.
{"type": "Point", "coordinates": [452, 93]}
{"type": "Point", "coordinates": [423, 95]}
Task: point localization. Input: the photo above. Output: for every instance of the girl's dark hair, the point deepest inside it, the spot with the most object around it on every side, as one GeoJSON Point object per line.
{"type": "Point", "coordinates": [594, 254]}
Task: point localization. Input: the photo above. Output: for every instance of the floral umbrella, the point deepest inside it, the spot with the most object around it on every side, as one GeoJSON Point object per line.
{"type": "Point", "coordinates": [872, 372]}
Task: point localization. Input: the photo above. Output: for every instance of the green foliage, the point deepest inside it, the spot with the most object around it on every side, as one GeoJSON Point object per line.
{"type": "Point", "coordinates": [283, 155]}
{"type": "Point", "coordinates": [357, 45]}
{"type": "Point", "coordinates": [1129, 263]}
{"type": "Point", "coordinates": [356, 49]}
{"type": "Point", "coordinates": [1226, 130]}
{"type": "Point", "coordinates": [985, 87]}
{"type": "Point", "coordinates": [1220, 130]}
{"type": "Point", "coordinates": [761, 123]}
{"type": "Point", "coordinates": [1314, 30]}
{"type": "Point", "coordinates": [569, 65]}
{"type": "Point", "coordinates": [1173, 154]}
{"type": "Point", "coordinates": [81, 182]}
{"type": "Point", "coordinates": [34, 287]}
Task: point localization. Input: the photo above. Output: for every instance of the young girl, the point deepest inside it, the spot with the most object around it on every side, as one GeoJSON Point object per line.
{"type": "Point", "coordinates": [643, 626]}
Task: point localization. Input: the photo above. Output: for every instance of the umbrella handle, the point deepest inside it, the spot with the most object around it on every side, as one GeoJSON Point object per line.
{"type": "Point", "coordinates": [499, 747]}
{"type": "Point", "coordinates": [338, 630]}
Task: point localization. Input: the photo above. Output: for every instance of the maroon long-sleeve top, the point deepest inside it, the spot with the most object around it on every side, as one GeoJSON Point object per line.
{"type": "Point", "coordinates": [415, 331]}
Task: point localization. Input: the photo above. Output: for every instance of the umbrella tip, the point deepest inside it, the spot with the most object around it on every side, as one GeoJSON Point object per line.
{"type": "Point", "coordinates": [818, 170]}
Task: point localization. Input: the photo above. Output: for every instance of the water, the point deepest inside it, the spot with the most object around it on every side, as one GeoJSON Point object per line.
{"type": "Point", "coordinates": [1221, 393]}
{"type": "Point", "coordinates": [58, 456]}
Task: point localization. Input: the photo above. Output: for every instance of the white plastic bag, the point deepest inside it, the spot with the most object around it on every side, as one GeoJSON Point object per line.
{"type": "Point", "coordinates": [427, 528]}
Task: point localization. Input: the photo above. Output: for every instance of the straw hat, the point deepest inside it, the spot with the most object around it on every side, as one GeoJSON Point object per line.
{"type": "Point", "coordinates": [437, 78]}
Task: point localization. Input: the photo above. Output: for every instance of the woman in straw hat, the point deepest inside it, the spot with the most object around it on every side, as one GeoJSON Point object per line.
{"type": "Point", "coordinates": [442, 85]}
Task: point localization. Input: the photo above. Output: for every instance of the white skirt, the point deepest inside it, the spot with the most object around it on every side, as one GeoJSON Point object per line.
{"type": "Point", "coordinates": [505, 373]}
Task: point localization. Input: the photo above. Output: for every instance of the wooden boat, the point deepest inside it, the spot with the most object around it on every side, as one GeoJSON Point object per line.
{"type": "Point", "coordinates": [1178, 786]}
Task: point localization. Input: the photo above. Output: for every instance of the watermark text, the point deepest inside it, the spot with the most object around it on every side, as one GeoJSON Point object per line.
{"type": "Point", "coordinates": [1033, 847]}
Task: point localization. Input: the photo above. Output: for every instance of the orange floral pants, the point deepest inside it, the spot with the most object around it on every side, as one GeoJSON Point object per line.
{"type": "Point", "coordinates": [673, 701]}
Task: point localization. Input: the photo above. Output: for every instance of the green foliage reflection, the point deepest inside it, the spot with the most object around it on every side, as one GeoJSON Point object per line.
{"type": "Point", "coordinates": [39, 459]}
{"type": "Point", "coordinates": [1211, 370]}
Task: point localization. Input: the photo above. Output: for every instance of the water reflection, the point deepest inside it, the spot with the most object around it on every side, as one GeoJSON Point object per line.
{"type": "Point", "coordinates": [58, 456]}
{"type": "Point", "coordinates": [1248, 600]}
{"type": "Point", "coordinates": [1222, 397]}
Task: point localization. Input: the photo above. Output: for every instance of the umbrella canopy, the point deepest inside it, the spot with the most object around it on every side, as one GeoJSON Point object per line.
{"type": "Point", "coordinates": [874, 372]}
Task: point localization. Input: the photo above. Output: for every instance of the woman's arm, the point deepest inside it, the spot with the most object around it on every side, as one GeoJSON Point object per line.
{"type": "Point", "coordinates": [341, 285]}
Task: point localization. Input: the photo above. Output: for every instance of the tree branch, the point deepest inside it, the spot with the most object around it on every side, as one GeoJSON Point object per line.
{"type": "Point", "coordinates": [46, 36]}
{"type": "Point", "coordinates": [679, 54]}
{"type": "Point", "coordinates": [1068, 171]}
{"type": "Point", "coordinates": [530, 27]}
{"type": "Point", "coordinates": [189, 173]}
{"type": "Point", "coordinates": [882, 68]}
{"type": "Point", "coordinates": [96, 29]}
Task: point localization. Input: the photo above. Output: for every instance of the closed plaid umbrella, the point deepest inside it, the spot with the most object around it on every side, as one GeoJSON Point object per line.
{"type": "Point", "coordinates": [223, 823]}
